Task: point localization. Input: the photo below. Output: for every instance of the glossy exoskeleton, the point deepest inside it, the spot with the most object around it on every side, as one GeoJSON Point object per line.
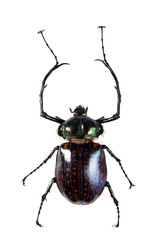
{"type": "Point", "coordinates": [81, 172]}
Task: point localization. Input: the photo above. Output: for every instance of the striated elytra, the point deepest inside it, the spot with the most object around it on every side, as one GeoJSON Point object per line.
{"type": "Point", "coordinates": [81, 171]}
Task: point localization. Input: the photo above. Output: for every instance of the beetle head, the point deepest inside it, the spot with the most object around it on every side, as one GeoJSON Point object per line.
{"type": "Point", "coordinates": [79, 111]}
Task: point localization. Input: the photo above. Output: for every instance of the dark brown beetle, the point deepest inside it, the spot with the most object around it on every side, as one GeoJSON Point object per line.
{"type": "Point", "coordinates": [81, 172]}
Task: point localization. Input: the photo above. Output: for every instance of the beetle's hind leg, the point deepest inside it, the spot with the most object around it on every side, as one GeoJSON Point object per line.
{"type": "Point", "coordinates": [115, 201]}
{"type": "Point", "coordinates": [44, 198]}
{"type": "Point", "coordinates": [119, 161]}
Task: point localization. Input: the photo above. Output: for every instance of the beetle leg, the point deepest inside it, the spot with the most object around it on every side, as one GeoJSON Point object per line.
{"type": "Point", "coordinates": [41, 32]}
{"type": "Point", "coordinates": [115, 201]}
{"type": "Point", "coordinates": [49, 156]}
{"type": "Point", "coordinates": [119, 161]}
{"type": "Point", "coordinates": [44, 198]}
{"type": "Point", "coordinates": [42, 112]}
{"type": "Point", "coordinates": [57, 65]}
{"type": "Point", "coordinates": [104, 61]}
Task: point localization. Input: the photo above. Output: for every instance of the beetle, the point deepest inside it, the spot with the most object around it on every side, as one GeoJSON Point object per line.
{"type": "Point", "coordinates": [81, 171]}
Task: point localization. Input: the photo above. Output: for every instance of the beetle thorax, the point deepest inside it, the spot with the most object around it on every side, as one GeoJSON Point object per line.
{"type": "Point", "coordinates": [80, 127]}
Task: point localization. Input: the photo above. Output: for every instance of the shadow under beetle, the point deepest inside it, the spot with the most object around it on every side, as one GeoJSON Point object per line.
{"type": "Point", "coordinates": [81, 172]}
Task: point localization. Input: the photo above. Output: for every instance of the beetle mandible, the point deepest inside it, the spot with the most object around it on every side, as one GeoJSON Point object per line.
{"type": "Point", "coordinates": [80, 172]}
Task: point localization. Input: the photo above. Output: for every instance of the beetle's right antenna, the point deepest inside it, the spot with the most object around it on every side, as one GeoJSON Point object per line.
{"type": "Point", "coordinates": [41, 32]}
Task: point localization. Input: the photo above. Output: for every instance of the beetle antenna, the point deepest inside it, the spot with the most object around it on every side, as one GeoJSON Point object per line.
{"type": "Point", "coordinates": [41, 32]}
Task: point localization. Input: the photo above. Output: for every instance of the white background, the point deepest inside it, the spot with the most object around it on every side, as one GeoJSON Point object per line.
{"type": "Point", "coordinates": [131, 41]}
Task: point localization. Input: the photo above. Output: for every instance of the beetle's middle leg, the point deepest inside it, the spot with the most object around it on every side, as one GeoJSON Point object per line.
{"type": "Point", "coordinates": [115, 201]}
{"type": "Point", "coordinates": [44, 198]}
{"type": "Point", "coordinates": [49, 156]}
{"type": "Point", "coordinates": [119, 161]}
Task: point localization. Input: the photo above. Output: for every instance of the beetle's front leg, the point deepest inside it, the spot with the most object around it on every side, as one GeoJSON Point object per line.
{"type": "Point", "coordinates": [44, 198]}
{"type": "Point", "coordinates": [104, 61]}
{"type": "Point", "coordinates": [57, 65]}
{"type": "Point", "coordinates": [49, 156]}
{"type": "Point", "coordinates": [42, 112]}
{"type": "Point", "coordinates": [119, 161]}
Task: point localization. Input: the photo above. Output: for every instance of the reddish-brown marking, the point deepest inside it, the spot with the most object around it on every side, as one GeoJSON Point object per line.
{"type": "Point", "coordinates": [72, 176]}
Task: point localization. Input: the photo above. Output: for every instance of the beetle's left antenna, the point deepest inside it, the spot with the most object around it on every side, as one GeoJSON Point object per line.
{"type": "Point", "coordinates": [41, 32]}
